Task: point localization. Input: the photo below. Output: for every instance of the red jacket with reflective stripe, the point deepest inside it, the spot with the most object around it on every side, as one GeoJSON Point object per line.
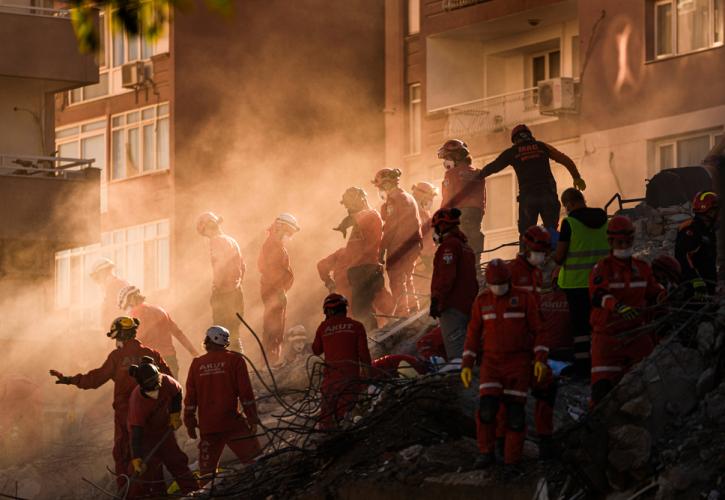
{"type": "Point", "coordinates": [525, 276]}
{"type": "Point", "coordinates": [344, 343]}
{"type": "Point", "coordinates": [618, 281]}
{"type": "Point", "coordinates": [454, 281]}
{"type": "Point", "coordinates": [462, 189]}
{"type": "Point", "coordinates": [363, 246]}
{"type": "Point", "coordinates": [509, 324]}
{"type": "Point", "coordinates": [217, 382]}
{"type": "Point", "coordinates": [153, 414]}
{"type": "Point", "coordinates": [401, 228]}
{"type": "Point", "coordinates": [556, 320]}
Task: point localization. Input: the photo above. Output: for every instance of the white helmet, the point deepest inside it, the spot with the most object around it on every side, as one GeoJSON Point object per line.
{"type": "Point", "coordinates": [206, 218]}
{"type": "Point", "coordinates": [297, 332]}
{"type": "Point", "coordinates": [101, 264]}
{"type": "Point", "coordinates": [124, 294]}
{"type": "Point", "coordinates": [218, 335]}
{"type": "Point", "coordinates": [288, 219]}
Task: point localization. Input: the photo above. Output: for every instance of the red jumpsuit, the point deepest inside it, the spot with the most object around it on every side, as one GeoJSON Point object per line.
{"type": "Point", "coordinates": [462, 189]}
{"type": "Point", "coordinates": [557, 324]}
{"type": "Point", "coordinates": [344, 343]}
{"type": "Point", "coordinates": [227, 297]}
{"type": "Point", "coordinates": [431, 344]}
{"type": "Point", "coordinates": [507, 330]}
{"type": "Point", "coordinates": [218, 381]}
{"type": "Point", "coordinates": [402, 242]}
{"type": "Point", "coordinates": [612, 282]}
{"type": "Point", "coordinates": [277, 278]}
{"type": "Point", "coordinates": [454, 282]}
{"type": "Point", "coordinates": [156, 330]}
{"type": "Point", "coordinates": [109, 308]}
{"type": "Point", "coordinates": [152, 417]}
{"type": "Point", "coordinates": [116, 368]}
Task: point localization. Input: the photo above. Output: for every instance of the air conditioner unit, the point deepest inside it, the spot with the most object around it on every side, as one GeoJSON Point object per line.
{"type": "Point", "coordinates": [556, 96]}
{"type": "Point", "coordinates": [133, 75]}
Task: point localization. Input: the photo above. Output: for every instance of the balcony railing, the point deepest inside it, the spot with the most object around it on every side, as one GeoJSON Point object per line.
{"type": "Point", "coordinates": [34, 11]}
{"type": "Point", "coordinates": [494, 114]}
{"type": "Point", "coordinates": [42, 166]}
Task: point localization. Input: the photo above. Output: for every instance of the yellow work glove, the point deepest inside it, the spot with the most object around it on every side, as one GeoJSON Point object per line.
{"type": "Point", "coordinates": [466, 377]}
{"type": "Point", "coordinates": [138, 466]}
{"type": "Point", "coordinates": [540, 370]}
{"type": "Point", "coordinates": [175, 420]}
{"type": "Point", "coordinates": [580, 184]}
{"type": "Point", "coordinates": [699, 287]}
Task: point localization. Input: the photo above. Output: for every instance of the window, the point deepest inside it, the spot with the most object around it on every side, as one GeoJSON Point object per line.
{"type": "Point", "coordinates": [682, 26]}
{"type": "Point", "coordinates": [414, 118]}
{"type": "Point", "coordinates": [142, 257]}
{"type": "Point", "coordinates": [575, 58]}
{"type": "Point", "coordinates": [685, 150]}
{"type": "Point", "coordinates": [101, 88]}
{"type": "Point", "coordinates": [413, 17]}
{"type": "Point", "coordinates": [86, 140]}
{"type": "Point", "coordinates": [140, 141]}
{"type": "Point", "coordinates": [545, 66]}
{"type": "Point", "coordinates": [500, 203]}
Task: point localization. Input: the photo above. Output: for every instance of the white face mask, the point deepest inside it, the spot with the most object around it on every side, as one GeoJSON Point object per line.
{"type": "Point", "coordinates": [623, 253]}
{"type": "Point", "coordinates": [448, 164]}
{"type": "Point", "coordinates": [286, 237]}
{"type": "Point", "coordinates": [152, 394]}
{"type": "Point", "coordinates": [536, 258]}
{"type": "Point", "coordinates": [383, 195]}
{"type": "Point", "coordinates": [499, 290]}
{"type": "Point", "coordinates": [119, 344]}
{"type": "Point", "coordinates": [425, 205]}
{"type": "Point", "coordinates": [437, 238]}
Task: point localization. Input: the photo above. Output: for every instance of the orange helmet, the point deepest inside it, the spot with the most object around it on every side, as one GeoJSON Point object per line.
{"type": "Point", "coordinates": [705, 201]}
{"type": "Point", "coordinates": [454, 149]}
{"type": "Point", "coordinates": [497, 272]}
{"type": "Point", "coordinates": [425, 188]}
{"type": "Point", "coordinates": [520, 129]}
{"type": "Point", "coordinates": [446, 216]}
{"type": "Point", "coordinates": [620, 228]}
{"type": "Point", "coordinates": [668, 266]}
{"type": "Point", "coordinates": [386, 175]}
{"type": "Point", "coordinates": [537, 238]}
{"type": "Point", "coordinates": [334, 301]}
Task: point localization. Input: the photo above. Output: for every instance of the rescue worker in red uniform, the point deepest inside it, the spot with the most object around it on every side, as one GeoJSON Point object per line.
{"type": "Point", "coordinates": [364, 273]}
{"type": "Point", "coordinates": [557, 321]}
{"type": "Point", "coordinates": [505, 334]}
{"type": "Point", "coordinates": [454, 285]}
{"type": "Point", "coordinates": [424, 193]}
{"type": "Point", "coordinates": [431, 345]}
{"type": "Point", "coordinates": [537, 187]}
{"type": "Point", "coordinates": [103, 274]}
{"type": "Point", "coordinates": [156, 328]}
{"type": "Point", "coordinates": [154, 412]}
{"type": "Point", "coordinates": [276, 280]}
{"type": "Point", "coordinates": [128, 351]}
{"type": "Point", "coordinates": [228, 268]}
{"type": "Point", "coordinates": [218, 382]}
{"type": "Point", "coordinates": [462, 189]}
{"type": "Point", "coordinates": [696, 245]}
{"type": "Point", "coordinates": [344, 343]}
{"type": "Point", "coordinates": [402, 241]}
{"type": "Point", "coordinates": [620, 286]}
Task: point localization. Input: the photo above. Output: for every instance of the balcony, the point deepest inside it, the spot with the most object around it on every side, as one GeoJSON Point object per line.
{"type": "Point", "coordinates": [39, 43]}
{"type": "Point", "coordinates": [494, 114]}
{"type": "Point", "coordinates": [56, 200]}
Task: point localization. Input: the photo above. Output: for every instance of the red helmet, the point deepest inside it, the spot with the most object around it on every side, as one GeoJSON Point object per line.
{"type": "Point", "coordinates": [669, 266]}
{"type": "Point", "coordinates": [537, 238]}
{"type": "Point", "coordinates": [497, 272]}
{"type": "Point", "coordinates": [386, 174]}
{"type": "Point", "coordinates": [520, 129]}
{"type": "Point", "coordinates": [705, 201]}
{"type": "Point", "coordinates": [334, 301]}
{"type": "Point", "coordinates": [620, 228]}
{"type": "Point", "coordinates": [425, 188]}
{"type": "Point", "coordinates": [453, 149]}
{"type": "Point", "coordinates": [446, 216]}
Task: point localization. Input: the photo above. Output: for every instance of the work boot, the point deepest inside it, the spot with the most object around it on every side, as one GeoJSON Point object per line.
{"type": "Point", "coordinates": [546, 448]}
{"type": "Point", "coordinates": [484, 460]}
{"type": "Point", "coordinates": [500, 447]}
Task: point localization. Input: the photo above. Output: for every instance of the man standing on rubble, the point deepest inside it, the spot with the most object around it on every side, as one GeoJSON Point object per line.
{"type": "Point", "coordinates": [103, 274]}
{"type": "Point", "coordinates": [333, 272]}
{"type": "Point", "coordinates": [505, 335]}
{"type": "Point", "coordinates": [227, 298]}
{"type": "Point", "coordinates": [344, 343]}
{"type": "Point", "coordinates": [128, 351]}
{"type": "Point", "coordinates": [402, 241]}
{"type": "Point", "coordinates": [696, 245]}
{"type": "Point", "coordinates": [464, 190]}
{"type": "Point", "coordinates": [453, 286]}
{"type": "Point", "coordinates": [154, 414]}
{"type": "Point", "coordinates": [424, 192]}
{"type": "Point", "coordinates": [365, 274]}
{"type": "Point", "coordinates": [621, 286]}
{"type": "Point", "coordinates": [537, 187]}
{"type": "Point", "coordinates": [276, 280]}
{"type": "Point", "coordinates": [582, 242]}
{"type": "Point", "coordinates": [156, 328]}
{"type": "Point", "coordinates": [218, 382]}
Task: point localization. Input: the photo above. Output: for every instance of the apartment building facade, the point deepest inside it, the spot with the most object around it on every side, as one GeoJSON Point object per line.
{"type": "Point", "coordinates": [626, 88]}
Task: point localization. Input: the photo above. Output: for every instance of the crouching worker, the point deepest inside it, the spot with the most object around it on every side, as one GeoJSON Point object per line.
{"type": "Point", "coordinates": [510, 319]}
{"type": "Point", "coordinates": [344, 343]}
{"type": "Point", "coordinates": [154, 413]}
{"type": "Point", "coordinates": [218, 381]}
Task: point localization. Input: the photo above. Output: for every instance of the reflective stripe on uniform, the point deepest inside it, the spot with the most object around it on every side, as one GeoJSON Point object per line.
{"type": "Point", "coordinates": [468, 352]}
{"type": "Point", "coordinates": [601, 369]}
{"type": "Point", "coordinates": [509, 315]}
{"type": "Point", "coordinates": [541, 348]}
{"type": "Point", "coordinates": [489, 316]}
{"type": "Point", "coordinates": [528, 288]}
{"type": "Point", "coordinates": [586, 247]}
{"type": "Point", "coordinates": [581, 338]}
{"type": "Point", "coordinates": [515, 393]}
{"type": "Point", "coordinates": [490, 385]}
{"type": "Point", "coordinates": [633, 284]}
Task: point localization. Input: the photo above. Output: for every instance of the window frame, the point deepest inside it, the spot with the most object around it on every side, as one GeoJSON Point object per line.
{"type": "Point", "coordinates": [415, 132]}
{"type": "Point", "coordinates": [674, 20]}
{"type": "Point", "coordinates": [546, 54]}
{"type": "Point", "coordinates": [410, 30]}
{"type": "Point", "coordinates": [139, 125]}
{"type": "Point", "coordinates": [673, 141]}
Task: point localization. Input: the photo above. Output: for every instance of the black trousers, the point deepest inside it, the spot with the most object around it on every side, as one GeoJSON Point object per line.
{"type": "Point", "coordinates": [579, 309]}
{"type": "Point", "coordinates": [543, 202]}
{"type": "Point", "coordinates": [365, 282]}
